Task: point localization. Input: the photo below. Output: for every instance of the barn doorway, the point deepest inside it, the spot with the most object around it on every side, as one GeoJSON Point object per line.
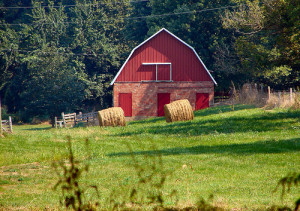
{"type": "Point", "coordinates": [125, 102]}
{"type": "Point", "coordinates": [202, 100]}
{"type": "Point", "coordinates": [162, 99]}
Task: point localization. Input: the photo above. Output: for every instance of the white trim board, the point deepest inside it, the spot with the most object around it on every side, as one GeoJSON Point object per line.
{"type": "Point", "coordinates": [159, 63]}
{"type": "Point", "coordinates": [163, 29]}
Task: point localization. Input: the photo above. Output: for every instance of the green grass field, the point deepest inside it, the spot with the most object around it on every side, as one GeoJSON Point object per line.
{"type": "Point", "coordinates": [237, 156]}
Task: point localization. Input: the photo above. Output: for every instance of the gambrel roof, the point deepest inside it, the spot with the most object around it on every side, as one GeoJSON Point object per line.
{"type": "Point", "coordinates": [163, 29]}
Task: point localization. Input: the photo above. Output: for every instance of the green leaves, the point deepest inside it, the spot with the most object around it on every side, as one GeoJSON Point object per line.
{"type": "Point", "coordinates": [61, 58]}
{"type": "Point", "coordinates": [265, 44]}
{"type": "Point", "coordinates": [247, 19]}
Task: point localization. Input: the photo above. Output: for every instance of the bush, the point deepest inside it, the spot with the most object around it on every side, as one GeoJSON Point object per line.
{"type": "Point", "coordinates": [4, 113]}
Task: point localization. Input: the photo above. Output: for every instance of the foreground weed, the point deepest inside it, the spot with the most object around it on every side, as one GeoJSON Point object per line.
{"type": "Point", "coordinates": [206, 206]}
{"type": "Point", "coordinates": [69, 173]}
{"type": "Point", "coordinates": [149, 189]}
{"type": "Point", "coordinates": [149, 192]}
{"type": "Point", "coordinates": [151, 180]}
{"type": "Point", "coordinates": [286, 183]}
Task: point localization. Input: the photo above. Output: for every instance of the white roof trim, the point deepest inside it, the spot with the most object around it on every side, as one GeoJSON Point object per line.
{"type": "Point", "coordinates": [163, 29]}
{"type": "Point", "coordinates": [159, 63]}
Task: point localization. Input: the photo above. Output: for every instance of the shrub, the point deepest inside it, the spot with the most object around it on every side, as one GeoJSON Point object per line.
{"type": "Point", "coordinates": [4, 113]}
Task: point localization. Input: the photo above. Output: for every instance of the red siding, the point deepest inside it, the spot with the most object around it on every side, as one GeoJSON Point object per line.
{"type": "Point", "coordinates": [125, 102]}
{"type": "Point", "coordinates": [162, 99]}
{"type": "Point", "coordinates": [147, 72]}
{"type": "Point", "coordinates": [202, 101]}
{"type": "Point", "coordinates": [163, 72]}
{"type": "Point", "coordinates": [164, 48]}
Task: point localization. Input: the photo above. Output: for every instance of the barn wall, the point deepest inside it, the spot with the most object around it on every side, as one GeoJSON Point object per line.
{"type": "Point", "coordinates": [164, 48]}
{"type": "Point", "coordinates": [144, 95]}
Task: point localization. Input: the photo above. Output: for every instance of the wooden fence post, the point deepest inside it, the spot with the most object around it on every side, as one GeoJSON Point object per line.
{"type": "Point", "coordinates": [75, 119]}
{"type": "Point", "coordinates": [79, 117]}
{"type": "Point", "coordinates": [63, 117]}
{"type": "Point", "coordinates": [269, 92]}
{"type": "Point", "coordinates": [291, 95]}
{"type": "Point", "coordinates": [55, 120]}
{"type": "Point", "coordinates": [279, 100]}
{"type": "Point", "coordinates": [10, 124]}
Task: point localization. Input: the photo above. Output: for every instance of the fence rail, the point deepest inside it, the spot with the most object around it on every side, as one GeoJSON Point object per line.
{"type": "Point", "coordinates": [87, 117]}
{"type": "Point", "coordinates": [7, 125]}
{"type": "Point", "coordinates": [72, 119]}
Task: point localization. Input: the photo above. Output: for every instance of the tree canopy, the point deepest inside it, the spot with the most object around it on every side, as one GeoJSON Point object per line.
{"type": "Point", "coordinates": [60, 55]}
{"type": "Point", "coordinates": [60, 58]}
{"type": "Point", "coordinates": [267, 36]}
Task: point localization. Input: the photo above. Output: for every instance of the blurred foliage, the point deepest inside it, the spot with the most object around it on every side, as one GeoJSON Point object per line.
{"type": "Point", "coordinates": [72, 191]}
{"type": "Point", "coordinates": [292, 179]}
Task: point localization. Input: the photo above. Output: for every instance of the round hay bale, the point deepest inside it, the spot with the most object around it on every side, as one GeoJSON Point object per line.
{"type": "Point", "coordinates": [180, 110]}
{"type": "Point", "coordinates": [112, 117]}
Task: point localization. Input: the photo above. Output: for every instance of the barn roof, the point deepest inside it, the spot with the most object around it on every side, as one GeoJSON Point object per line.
{"type": "Point", "coordinates": [163, 29]}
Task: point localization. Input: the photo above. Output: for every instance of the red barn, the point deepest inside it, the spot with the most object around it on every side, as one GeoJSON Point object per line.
{"type": "Point", "coordinates": [160, 70]}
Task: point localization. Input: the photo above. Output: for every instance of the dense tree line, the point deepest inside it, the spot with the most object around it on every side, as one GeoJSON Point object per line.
{"type": "Point", "coordinates": [60, 58]}
{"type": "Point", "coordinates": [60, 55]}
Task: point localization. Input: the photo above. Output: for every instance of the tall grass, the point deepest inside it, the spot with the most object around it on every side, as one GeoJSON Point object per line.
{"type": "Point", "coordinates": [250, 94]}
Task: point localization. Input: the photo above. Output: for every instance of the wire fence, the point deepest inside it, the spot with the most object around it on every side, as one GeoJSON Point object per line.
{"type": "Point", "coordinates": [260, 95]}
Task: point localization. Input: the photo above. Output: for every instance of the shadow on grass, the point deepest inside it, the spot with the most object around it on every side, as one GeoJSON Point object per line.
{"type": "Point", "coordinates": [204, 112]}
{"type": "Point", "coordinates": [232, 124]}
{"type": "Point", "coordinates": [150, 120]}
{"type": "Point", "coordinates": [38, 129]}
{"type": "Point", "coordinates": [259, 147]}
{"type": "Point", "coordinates": [221, 109]}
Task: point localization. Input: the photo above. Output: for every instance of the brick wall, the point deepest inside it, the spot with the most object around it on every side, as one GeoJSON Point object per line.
{"type": "Point", "coordinates": [144, 94]}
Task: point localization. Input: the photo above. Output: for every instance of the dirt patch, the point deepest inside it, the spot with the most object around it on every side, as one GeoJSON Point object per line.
{"type": "Point", "coordinates": [21, 169]}
{"type": "Point", "coordinates": [59, 140]}
{"type": "Point", "coordinates": [31, 208]}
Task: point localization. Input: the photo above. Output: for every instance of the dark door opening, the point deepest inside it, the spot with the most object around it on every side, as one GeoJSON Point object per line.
{"type": "Point", "coordinates": [162, 99]}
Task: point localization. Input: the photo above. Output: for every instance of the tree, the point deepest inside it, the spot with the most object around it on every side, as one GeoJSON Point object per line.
{"type": "Point", "coordinates": [63, 58]}
{"type": "Point", "coordinates": [55, 89]}
{"type": "Point", "coordinates": [136, 28]}
{"type": "Point", "coordinates": [267, 43]}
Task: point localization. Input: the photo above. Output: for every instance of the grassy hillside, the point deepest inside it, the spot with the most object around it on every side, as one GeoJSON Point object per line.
{"type": "Point", "coordinates": [237, 156]}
